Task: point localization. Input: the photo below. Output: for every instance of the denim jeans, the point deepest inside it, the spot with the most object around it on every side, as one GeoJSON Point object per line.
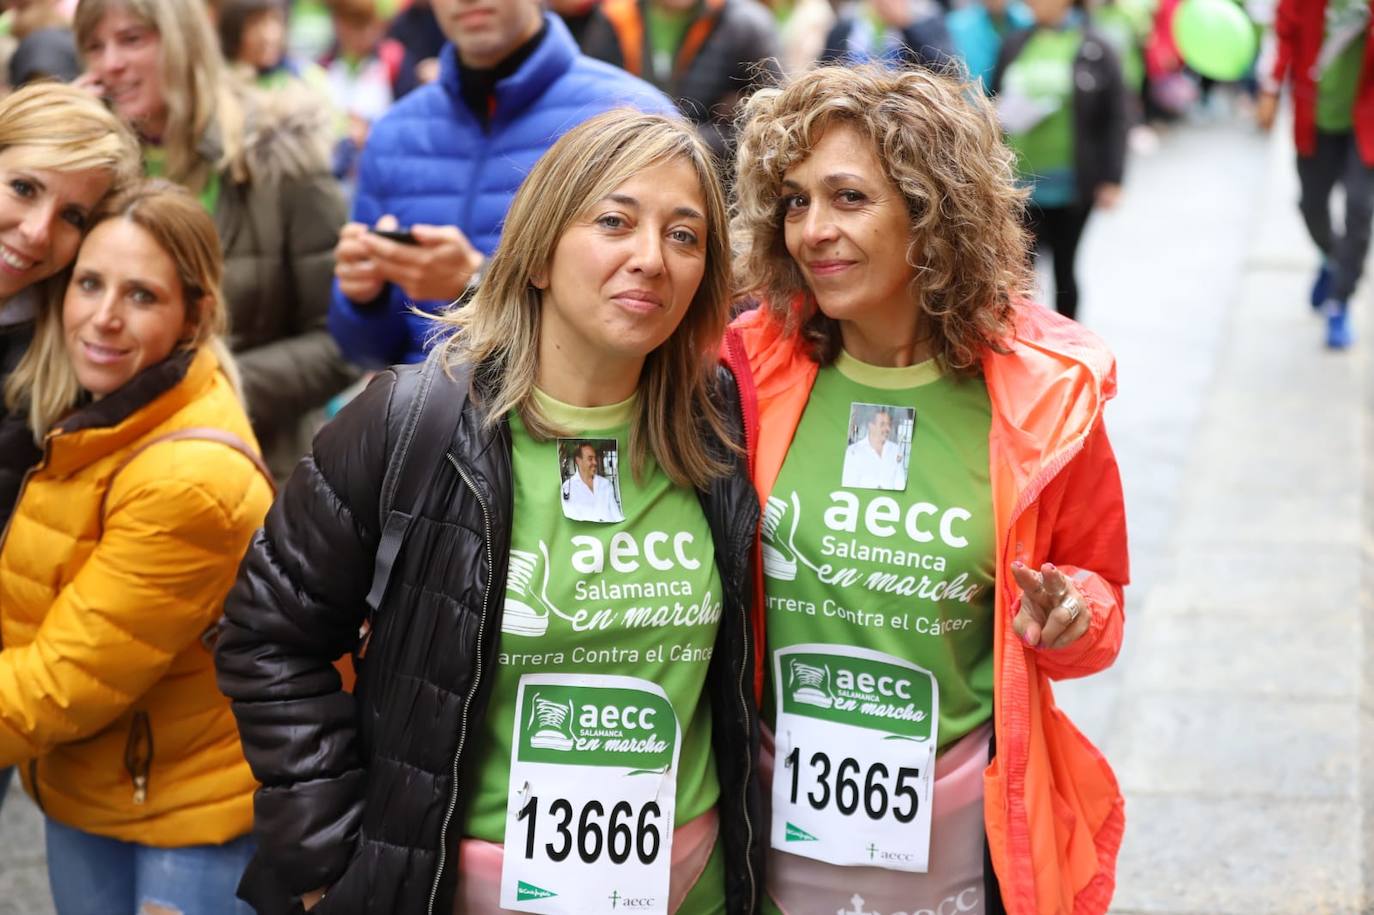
{"type": "Point", "coordinates": [93, 875]}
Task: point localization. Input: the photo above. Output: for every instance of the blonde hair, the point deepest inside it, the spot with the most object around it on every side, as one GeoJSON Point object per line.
{"type": "Point", "coordinates": [940, 145]}
{"type": "Point", "coordinates": [45, 381]}
{"type": "Point", "coordinates": [498, 332]}
{"type": "Point", "coordinates": [195, 86]}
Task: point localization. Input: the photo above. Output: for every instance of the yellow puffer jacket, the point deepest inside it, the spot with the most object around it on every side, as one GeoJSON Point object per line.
{"type": "Point", "coordinates": [103, 675]}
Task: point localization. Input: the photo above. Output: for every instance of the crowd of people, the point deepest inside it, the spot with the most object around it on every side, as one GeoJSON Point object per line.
{"type": "Point", "coordinates": [697, 439]}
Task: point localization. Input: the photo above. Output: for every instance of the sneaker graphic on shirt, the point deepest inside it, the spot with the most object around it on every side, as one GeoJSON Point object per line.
{"type": "Point", "coordinates": [527, 613]}
{"type": "Point", "coordinates": [552, 722]}
{"type": "Point", "coordinates": [779, 558]}
{"type": "Point", "coordinates": [810, 684]}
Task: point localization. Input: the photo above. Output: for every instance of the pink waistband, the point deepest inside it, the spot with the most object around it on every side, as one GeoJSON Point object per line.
{"type": "Point", "coordinates": [479, 866]}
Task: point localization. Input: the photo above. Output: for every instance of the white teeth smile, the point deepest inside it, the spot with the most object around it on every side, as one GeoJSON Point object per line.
{"type": "Point", "coordinates": [14, 260]}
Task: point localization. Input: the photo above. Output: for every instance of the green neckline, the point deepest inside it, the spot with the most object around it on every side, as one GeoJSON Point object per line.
{"type": "Point", "coordinates": [888, 378]}
{"type": "Point", "coordinates": [584, 419]}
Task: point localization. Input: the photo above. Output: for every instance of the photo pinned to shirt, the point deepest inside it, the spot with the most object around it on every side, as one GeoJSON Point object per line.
{"type": "Point", "coordinates": [878, 447]}
{"type": "Point", "coordinates": [589, 471]}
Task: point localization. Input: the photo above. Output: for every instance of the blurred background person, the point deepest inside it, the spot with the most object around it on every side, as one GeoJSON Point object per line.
{"type": "Point", "coordinates": [1323, 50]}
{"type": "Point", "coordinates": [417, 29]}
{"type": "Point", "coordinates": [47, 54]}
{"type": "Point", "coordinates": [905, 31]}
{"type": "Point", "coordinates": [576, 14]}
{"type": "Point", "coordinates": [252, 37]}
{"type": "Point", "coordinates": [361, 72]}
{"type": "Point", "coordinates": [706, 55]}
{"type": "Point", "coordinates": [445, 161]}
{"type": "Point", "coordinates": [1062, 104]}
{"type": "Point", "coordinates": [976, 31]}
{"type": "Point", "coordinates": [259, 163]}
{"type": "Point", "coordinates": [115, 565]}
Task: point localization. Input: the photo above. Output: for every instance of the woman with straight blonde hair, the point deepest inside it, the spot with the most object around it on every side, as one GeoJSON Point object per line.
{"type": "Point", "coordinates": [260, 164]}
{"type": "Point", "coordinates": [114, 569]}
{"type": "Point", "coordinates": [545, 532]}
{"type": "Point", "coordinates": [60, 152]}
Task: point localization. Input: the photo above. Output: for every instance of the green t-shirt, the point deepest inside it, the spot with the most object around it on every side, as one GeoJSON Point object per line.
{"type": "Point", "coordinates": [640, 597]}
{"type": "Point", "coordinates": [907, 569]}
{"type": "Point", "coordinates": [1340, 61]}
{"type": "Point", "coordinates": [667, 28]}
{"type": "Point", "coordinates": [1042, 76]}
{"type": "Point", "coordinates": [155, 166]}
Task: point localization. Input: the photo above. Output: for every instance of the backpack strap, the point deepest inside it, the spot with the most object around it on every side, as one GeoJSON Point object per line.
{"type": "Point", "coordinates": [204, 434]}
{"type": "Point", "coordinates": [198, 433]}
{"type": "Point", "coordinates": [436, 401]}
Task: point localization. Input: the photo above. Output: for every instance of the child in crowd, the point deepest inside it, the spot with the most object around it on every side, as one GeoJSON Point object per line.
{"type": "Point", "coordinates": [361, 71]}
{"type": "Point", "coordinates": [252, 34]}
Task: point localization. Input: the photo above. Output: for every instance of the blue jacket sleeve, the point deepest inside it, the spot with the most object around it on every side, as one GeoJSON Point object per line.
{"type": "Point", "coordinates": [370, 334]}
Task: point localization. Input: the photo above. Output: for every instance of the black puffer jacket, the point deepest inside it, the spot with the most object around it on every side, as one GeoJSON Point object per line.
{"type": "Point", "coordinates": [360, 792]}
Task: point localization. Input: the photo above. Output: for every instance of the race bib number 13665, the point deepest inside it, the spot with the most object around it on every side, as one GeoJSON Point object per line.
{"type": "Point", "coordinates": [856, 739]}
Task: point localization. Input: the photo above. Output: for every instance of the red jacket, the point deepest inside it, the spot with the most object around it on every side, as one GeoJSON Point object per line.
{"type": "Point", "coordinates": [1299, 27]}
{"type": "Point", "coordinates": [1052, 809]}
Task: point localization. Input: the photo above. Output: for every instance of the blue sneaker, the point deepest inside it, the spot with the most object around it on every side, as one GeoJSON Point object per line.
{"type": "Point", "coordinates": [1338, 333]}
{"type": "Point", "coordinates": [1321, 287]}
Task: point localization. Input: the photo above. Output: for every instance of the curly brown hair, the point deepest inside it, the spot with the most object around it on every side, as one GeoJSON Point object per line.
{"type": "Point", "coordinates": [940, 145]}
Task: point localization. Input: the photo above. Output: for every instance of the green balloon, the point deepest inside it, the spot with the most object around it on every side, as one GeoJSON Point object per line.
{"type": "Point", "coordinates": [1215, 38]}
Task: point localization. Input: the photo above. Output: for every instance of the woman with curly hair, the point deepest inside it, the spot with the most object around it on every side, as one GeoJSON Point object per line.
{"type": "Point", "coordinates": [928, 572]}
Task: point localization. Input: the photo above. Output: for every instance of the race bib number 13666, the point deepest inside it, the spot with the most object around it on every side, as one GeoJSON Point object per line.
{"type": "Point", "coordinates": [593, 789]}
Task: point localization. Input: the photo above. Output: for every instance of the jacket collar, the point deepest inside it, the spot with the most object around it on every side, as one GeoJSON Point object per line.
{"type": "Point", "coordinates": [1047, 392]}
{"type": "Point", "coordinates": [517, 92]}
{"type": "Point", "coordinates": [104, 426]}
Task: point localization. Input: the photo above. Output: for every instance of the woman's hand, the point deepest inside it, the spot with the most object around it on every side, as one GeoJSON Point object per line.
{"type": "Point", "coordinates": [1053, 613]}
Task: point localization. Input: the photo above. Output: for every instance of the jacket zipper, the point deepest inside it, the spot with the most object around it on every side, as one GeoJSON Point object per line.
{"type": "Point", "coordinates": [1023, 502]}
{"type": "Point", "coordinates": [138, 755]}
{"type": "Point", "coordinates": [476, 681]}
{"type": "Point", "coordinates": [745, 625]}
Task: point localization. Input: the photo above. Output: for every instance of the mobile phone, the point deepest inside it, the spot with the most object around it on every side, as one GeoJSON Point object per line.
{"type": "Point", "coordinates": [397, 235]}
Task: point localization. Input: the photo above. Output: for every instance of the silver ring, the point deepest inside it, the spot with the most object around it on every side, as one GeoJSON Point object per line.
{"type": "Point", "coordinates": [1072, 605]}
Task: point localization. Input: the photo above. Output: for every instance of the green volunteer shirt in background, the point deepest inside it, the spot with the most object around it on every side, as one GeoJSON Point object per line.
{"type": "Point", "coordinates": [1347, 26]}
{"type": "Point", "coordinates": [911, 570]}
{"type": "Point", "coordinates": [667, 29]}
{"type": "Point", "coordinates": [1043, 74]}
{"type": "Point", "coordinates": [155, 166]}
{"type": "Point", "coordinates": [637, 598]}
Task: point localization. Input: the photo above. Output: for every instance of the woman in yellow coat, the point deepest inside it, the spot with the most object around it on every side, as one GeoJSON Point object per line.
{"type": "Point", "coordinates": [125, 539]}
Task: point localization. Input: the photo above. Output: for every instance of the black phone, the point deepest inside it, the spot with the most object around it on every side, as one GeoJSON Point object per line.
{"type": "Point", "coordinates": [396, 235]}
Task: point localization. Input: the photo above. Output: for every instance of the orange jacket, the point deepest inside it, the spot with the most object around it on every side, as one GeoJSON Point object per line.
{"type": "Point", "coordinates": [1053, 812]}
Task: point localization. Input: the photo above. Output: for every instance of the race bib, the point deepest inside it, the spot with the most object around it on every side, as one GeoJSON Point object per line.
{"type": "Point", "coordinates": [856, 738]}
{"type": "Point", "coordinates": [593, 791]}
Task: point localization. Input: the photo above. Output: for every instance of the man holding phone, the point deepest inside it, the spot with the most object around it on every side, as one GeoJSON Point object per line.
{"type": "Point", "coordinates": [440, 169]}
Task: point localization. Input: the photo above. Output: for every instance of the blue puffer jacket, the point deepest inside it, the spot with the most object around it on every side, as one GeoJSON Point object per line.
{"type": "Point", "coordinates": [429, 161]}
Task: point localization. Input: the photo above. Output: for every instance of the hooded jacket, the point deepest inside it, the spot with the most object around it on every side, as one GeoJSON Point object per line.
{"type": "Point", "coordinates": [278, 215]}
{"type": "Point", "coordinates": [363, 792]}
{"type": "Point", "coordinates": [429, 160]}
{"type": "Point", "coordinates": [104, 678]}
{"type": "Point", "coordinates": [1052, 809]}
